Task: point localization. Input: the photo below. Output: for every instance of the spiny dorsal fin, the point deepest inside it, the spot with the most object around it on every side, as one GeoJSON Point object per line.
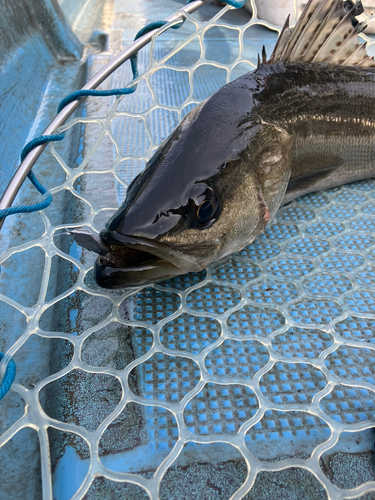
{"type": "Point", "coordinates": [264, 55]}
{"type": "Point", "coordinates": [326, 32]}
{"type": "Point", "coordinates": [282, 41]}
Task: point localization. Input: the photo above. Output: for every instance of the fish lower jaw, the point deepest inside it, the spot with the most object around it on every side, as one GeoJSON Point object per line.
{"type": "Point", "coordinates": [136, 263]}
{"type": "Point", "coordinates": [134, 276]}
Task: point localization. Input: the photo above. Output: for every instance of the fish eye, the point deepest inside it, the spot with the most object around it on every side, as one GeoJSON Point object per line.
{"type": "Point", "coordinates": [205, 211]}
{"type": "Point", "coordinates": [203, 205]}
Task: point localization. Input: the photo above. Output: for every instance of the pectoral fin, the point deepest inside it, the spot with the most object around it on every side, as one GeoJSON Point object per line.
{"type": "Point", "coordinates": [308, 180]}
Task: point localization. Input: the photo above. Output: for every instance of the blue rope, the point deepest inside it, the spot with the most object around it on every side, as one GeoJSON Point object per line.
{"type": "Point", "coordinates": [10, 374]}
{"type": "Point", "coordinates": [133, 61]}
{"type": "Point", "coordinates": [38, 141]}
{"type": "Point", "coordinates": [85, 93]}
{"type": "Point", "coordinates": [43, 139]}
{"type": "Point", "coordinates": [46, 202]}
{"type": "Point", "coordinates": [238, 4]}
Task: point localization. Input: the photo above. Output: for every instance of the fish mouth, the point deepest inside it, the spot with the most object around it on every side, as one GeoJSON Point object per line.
{"type": "Point", "coordinates": [135, 261]}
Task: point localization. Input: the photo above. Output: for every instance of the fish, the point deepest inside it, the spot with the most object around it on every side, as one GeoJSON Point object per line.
{"type": "Point", "coordinates": [302, 121]}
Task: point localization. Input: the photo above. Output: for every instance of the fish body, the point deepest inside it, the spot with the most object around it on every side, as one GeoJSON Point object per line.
{"type": "Point", "coordinates": [303, 121]}
{"type": "Point", "coordinates": [329, 113]}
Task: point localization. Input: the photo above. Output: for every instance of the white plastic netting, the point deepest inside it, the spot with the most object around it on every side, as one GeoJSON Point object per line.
{"type": "Point", "coordinates": [252, 379]}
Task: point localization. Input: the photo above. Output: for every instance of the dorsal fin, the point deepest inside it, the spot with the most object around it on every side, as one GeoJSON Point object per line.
{"type": "Point", "coordinates": [264, 57]}
{"type": "Point", "coordinates": [282, 41]}
{"type": "Point", "coordinates": [326, 32]}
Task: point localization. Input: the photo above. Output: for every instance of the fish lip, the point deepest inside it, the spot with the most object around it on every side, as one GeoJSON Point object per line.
{"type": "Point", "coordinates": [158, 263]}
{"type": "Point", "coordinates": [133, 277]}
{"type": "Point", "coordinates": [163, 251]}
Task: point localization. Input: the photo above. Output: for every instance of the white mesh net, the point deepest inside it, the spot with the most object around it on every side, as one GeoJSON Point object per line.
{"type": "Point", "coordinates": [253, 378]}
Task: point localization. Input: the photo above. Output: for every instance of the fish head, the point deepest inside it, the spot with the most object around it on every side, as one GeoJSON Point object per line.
{"type": "Point", "coordinates": [200, 197]}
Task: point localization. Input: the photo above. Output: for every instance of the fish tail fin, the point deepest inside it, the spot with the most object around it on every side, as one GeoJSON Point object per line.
{"type": "Point", "coordinates": [326, 32]}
